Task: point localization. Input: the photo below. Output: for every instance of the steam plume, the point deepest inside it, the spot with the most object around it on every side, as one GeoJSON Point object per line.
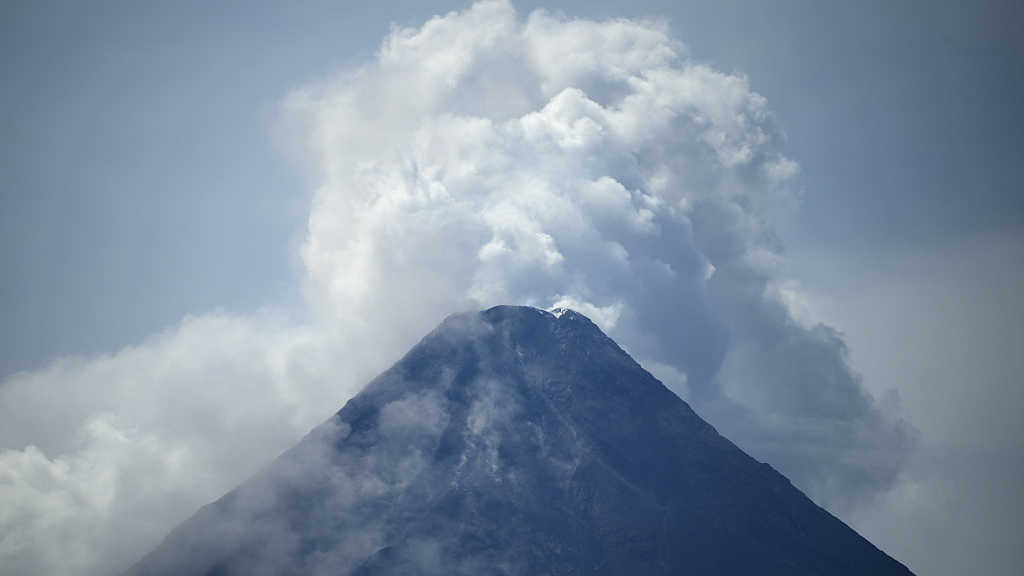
{"type": "Point", "coordinates": [479, 160]}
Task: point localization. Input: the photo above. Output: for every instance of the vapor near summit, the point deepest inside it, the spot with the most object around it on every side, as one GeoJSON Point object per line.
{"type": "Point", "coordinates": [482, 158]}
{"type": "Point", "coordinates": [591, 165]}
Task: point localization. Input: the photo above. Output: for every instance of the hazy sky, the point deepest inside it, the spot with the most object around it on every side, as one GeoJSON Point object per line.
{"type": "Point", "coordinates": [160, 162]}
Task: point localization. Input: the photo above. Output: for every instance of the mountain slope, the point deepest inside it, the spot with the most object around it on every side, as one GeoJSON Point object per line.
{"type": "Point", "coordinates": [515, 441]}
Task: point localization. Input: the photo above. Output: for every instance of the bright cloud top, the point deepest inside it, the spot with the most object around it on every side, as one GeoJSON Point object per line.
{"type": "Point", "coordinates": [479, 160]}
{"type": "Point", "coordinates": [482, 161]}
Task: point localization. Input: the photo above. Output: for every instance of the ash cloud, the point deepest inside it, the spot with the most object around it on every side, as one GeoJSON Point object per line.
{"type": "Point", "coordinates": [480, 159]}
{"type": "Point", "coordinates": [487, 160]}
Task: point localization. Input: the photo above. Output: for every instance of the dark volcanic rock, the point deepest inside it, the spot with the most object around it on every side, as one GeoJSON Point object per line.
{"type": "Point", "coordinates": [515, 441]}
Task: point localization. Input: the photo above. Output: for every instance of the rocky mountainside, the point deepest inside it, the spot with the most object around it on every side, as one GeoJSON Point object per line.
{"type": "Point", "coordinates": [515, 441]}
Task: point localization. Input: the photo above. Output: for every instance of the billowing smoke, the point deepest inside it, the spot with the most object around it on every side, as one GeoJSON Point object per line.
{"type": "Point", "coordinates": [483, 161]}
{"type": "Point", "coordinates": [479, 160]}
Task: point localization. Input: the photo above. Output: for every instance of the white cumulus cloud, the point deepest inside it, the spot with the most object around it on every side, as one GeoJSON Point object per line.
{"type": "Point", "coordinates": [480, 159]}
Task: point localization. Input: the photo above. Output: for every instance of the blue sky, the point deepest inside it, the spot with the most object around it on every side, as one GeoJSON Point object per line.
{"type": "Point", "coordinates": [146, 177]}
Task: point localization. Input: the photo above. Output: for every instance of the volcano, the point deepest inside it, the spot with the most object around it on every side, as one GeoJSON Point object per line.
{"type": "Point", "coordinates": [515, 441]}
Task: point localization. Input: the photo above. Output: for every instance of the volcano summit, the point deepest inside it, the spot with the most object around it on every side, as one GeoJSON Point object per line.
{"type": "Point", "coordinates": [515, 441]}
